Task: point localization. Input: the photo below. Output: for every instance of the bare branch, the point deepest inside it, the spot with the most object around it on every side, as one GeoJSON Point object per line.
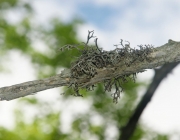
{"type": "Point", "coordinates": [28, 88]}
{"type": "Point", "coordinates": [127, 131]}
{"type": "Point", "coordinates": [170, 52]}
{"type": "Point", "coordinates": [90, 35]}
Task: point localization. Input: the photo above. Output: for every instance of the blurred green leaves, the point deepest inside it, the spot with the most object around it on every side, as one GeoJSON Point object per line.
{"type": "Point", "coordinates": [45, 121]}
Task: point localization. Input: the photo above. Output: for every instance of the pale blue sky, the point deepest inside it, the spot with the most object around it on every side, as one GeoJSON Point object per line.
{"type": "Point", "coordinates": [140, 22]}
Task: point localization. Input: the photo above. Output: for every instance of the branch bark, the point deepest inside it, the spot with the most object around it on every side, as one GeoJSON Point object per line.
{"type": "Point", "coordinates": [127, 131]}
{"type": "Point", "coordinates": [170, 52]}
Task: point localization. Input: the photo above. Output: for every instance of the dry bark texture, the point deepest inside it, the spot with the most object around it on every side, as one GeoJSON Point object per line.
{"type": "Point", "coordinates": [167, 53]}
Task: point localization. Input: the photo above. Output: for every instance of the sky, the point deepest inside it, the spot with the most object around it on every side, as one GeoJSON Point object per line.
{"type": "Point", "coordinates": [139, 22]}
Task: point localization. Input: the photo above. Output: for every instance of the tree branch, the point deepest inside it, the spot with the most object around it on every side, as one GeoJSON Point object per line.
{"type": "Point", "coordinates": [128, 130]}
{"type": "Point", "coordinates": [170, 52]}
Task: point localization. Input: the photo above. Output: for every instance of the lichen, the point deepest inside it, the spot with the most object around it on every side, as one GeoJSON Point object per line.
{"type": "Point", "coordinates": [94, 58]}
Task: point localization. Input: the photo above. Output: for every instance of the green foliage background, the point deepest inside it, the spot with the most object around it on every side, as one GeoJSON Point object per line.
{"type": "Point", "coordinates": [46, 121]}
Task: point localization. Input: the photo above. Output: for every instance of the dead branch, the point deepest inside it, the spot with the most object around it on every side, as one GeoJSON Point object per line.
{"type": "Point", "coordinates": [160, 74]}
{"type": "Point", "coordinates": [170, 52]}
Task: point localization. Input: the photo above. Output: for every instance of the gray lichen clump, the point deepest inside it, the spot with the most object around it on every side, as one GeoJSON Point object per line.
{"type": "Point", "coordinates": [94, 58]}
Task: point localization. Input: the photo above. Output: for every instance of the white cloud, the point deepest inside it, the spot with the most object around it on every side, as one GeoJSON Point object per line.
{"type": "Point", "coordinates": [163, 111]}
{"type": "Point", "coordinates": [112, 3]}
{"type": "Point", "coordinates": [46, 10]}
{"type": "Point", "coordinates": [151, 22]}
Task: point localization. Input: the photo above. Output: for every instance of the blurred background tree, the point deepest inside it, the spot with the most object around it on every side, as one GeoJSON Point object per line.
{"type": "Point", "coordinates": [100, 120]}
